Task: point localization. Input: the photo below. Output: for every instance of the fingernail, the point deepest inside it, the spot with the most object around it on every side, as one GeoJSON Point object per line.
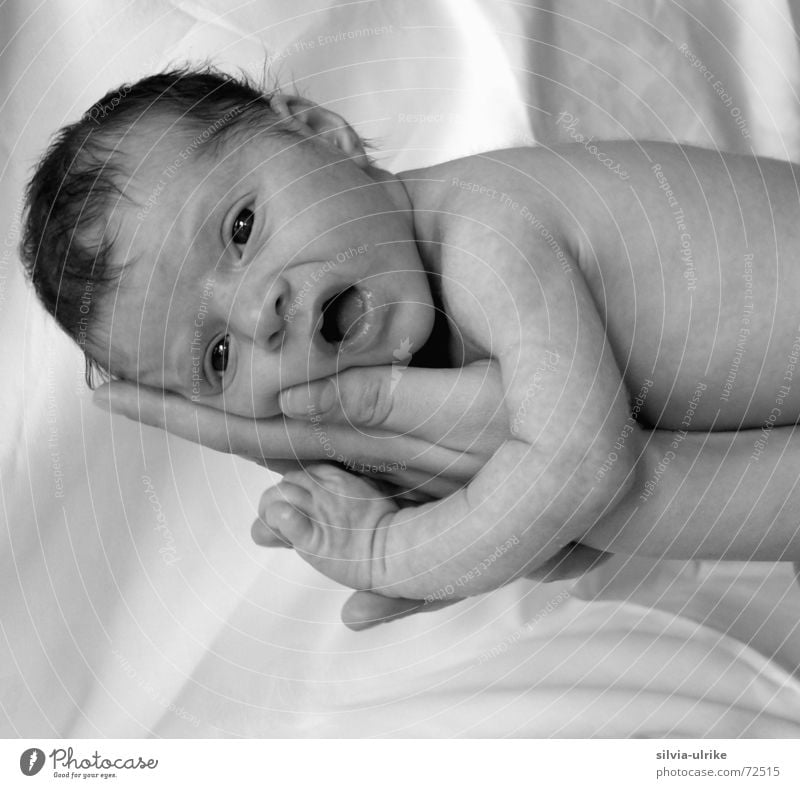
{"type": "Point", "coordinates": [289, 402]}
{"type": "Point", "coordinates": [327, 396]}
{"type": "Point", "coordinates": [308, 400]}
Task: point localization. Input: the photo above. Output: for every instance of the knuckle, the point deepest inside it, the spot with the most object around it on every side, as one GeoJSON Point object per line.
{"type": "Point", "coordinates": [266, 501]}
{"type": "Point", "coordinates": [330, 478]}
{"type": "Point", "coordinates": [293, 477]}
{"type": "Point", "coordinates": [371, 402]}
{"type": "Point", "coordinates": [270, 496]}
{"type": "Point", "coordinates": [324, 471]}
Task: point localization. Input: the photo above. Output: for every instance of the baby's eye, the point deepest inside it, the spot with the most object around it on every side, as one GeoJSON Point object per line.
{"type": "Point", "coordinates": [219, 355]}
{"type": "Point", "coordinates": [242, 227]}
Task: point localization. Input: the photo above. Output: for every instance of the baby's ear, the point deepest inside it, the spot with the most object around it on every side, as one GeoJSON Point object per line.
{"type": "Point", "coordinates": [313, 121]}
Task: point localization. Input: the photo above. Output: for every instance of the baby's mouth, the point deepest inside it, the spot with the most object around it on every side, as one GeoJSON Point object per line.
{"type": "Point", "coordinates": [347, 318]}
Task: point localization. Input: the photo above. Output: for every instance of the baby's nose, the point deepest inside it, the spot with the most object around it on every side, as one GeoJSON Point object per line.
{"type": "Point", "coordinates": [265, 313]}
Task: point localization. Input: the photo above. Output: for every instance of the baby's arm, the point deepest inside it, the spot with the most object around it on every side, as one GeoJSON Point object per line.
{"type": "Point", "coordinates": [693, 263]}
{"type": "Point", "coordinates": [703, 495]}
{"type": "Point", "coordinates": [741, 221]}
{"type": "Point", "coordinates": [526, 303]}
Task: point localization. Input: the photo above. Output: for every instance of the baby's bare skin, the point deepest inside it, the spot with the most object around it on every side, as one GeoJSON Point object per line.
{"type": "Point", "coordinates": [667, 294]}
{"type": "Point", "coordinates": [561, 254]}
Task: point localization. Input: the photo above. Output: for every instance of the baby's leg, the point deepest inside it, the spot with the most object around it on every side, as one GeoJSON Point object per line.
{"type": "Point", "coordinates": [335, 520]}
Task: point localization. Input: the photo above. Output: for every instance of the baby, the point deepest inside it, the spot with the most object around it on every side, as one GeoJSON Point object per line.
{"type": "Point", "coordinates": [201, 237]}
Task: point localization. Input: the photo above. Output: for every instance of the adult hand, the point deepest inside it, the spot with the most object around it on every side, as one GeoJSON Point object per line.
{"type": "Point", "coordinates": [366, 609]}
{"type": "Point", "coordinates": [361, 399]}
{"type": "Point", "coordinates": [425, 431]}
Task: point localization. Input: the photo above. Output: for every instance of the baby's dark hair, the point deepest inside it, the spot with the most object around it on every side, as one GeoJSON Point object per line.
{"type": "Point", "coordinates": [65, 246]}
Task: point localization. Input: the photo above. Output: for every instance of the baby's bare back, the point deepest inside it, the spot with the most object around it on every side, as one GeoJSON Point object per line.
{"type": "Point", "coordinates": [698, 283]}
{"type": "Point", "coordinates": [691, 258]}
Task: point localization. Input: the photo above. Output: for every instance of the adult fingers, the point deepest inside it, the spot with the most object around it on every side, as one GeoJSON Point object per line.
{"type": "Point", "coordinates": [409, 481]}
{"type": "Point", "coordinates": [451, 406]}
{"type": "Point", "coordinates": [178, 415]}
{"type": "Point", "coordinates": [366, 609]}
{"type": "Point", "coordinates": [571, 561]}
{"type": "Point", "coordinates": [277, 442]}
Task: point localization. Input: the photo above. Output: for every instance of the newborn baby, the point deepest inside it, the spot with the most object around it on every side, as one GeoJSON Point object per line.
{"type": "Point", "coordinates": [199, 236]}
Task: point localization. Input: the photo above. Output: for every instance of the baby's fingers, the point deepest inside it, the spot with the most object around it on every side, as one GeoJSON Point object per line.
{"type": "Point", "coordinates": [283, 519]}
{"type": "Point", "coordinates": [266, 530]}
{"type": "Point", "coordinates": [266, 536]}
{"type": "Point", "coordinates": [292, 524]}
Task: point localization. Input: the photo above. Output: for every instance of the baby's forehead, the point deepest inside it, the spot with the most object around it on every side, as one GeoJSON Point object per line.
{"type": "Point", "coordinates": [176, 187]}
{"type": "Point", "coordinates": [162, 171]}
{"type": "Point", "coordinates": [163, 159]}
{"type": "Point", "coordinates": [158, 150]}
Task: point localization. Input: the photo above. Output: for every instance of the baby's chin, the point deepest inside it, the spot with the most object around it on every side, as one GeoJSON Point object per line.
{"type": "Point", "coordinates": [409, 336]}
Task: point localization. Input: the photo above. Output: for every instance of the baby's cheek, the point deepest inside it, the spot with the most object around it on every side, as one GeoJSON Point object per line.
{"type": "Point", "coordinates": [251, 396]}
{"type": "Point", "coordinates": [421, 320]}
{"type": "Point", "coordinates": [261, 406]}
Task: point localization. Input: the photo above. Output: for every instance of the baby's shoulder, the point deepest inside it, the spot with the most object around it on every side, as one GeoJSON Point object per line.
{"type": "Point", "coordinates": [507, 171]}
{"type": "Point", "coordinates": [502, 235]}
{"type": "Point", "coordinates": [498, 206]}
{"type": "Point", "coordinates": [512, 193]}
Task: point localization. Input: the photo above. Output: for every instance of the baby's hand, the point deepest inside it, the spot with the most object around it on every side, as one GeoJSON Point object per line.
{"type": "Point", "coordinates": [336, 521]}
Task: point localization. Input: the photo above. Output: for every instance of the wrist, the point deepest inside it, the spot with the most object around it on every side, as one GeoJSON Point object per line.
{"type": "Point", "coordinates": [616, 530]}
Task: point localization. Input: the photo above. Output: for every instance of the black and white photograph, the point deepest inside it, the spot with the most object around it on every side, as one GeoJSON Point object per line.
{"type": "Point", "coordinates": [400, 370]}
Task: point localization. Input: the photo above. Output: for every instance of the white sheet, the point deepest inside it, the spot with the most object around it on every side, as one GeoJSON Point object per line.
{"type": "Point", "coordinates": [131, 600]}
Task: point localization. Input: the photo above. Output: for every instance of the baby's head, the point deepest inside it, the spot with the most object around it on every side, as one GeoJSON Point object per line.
{"type": "Point", "coordinates": [192, 233]}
